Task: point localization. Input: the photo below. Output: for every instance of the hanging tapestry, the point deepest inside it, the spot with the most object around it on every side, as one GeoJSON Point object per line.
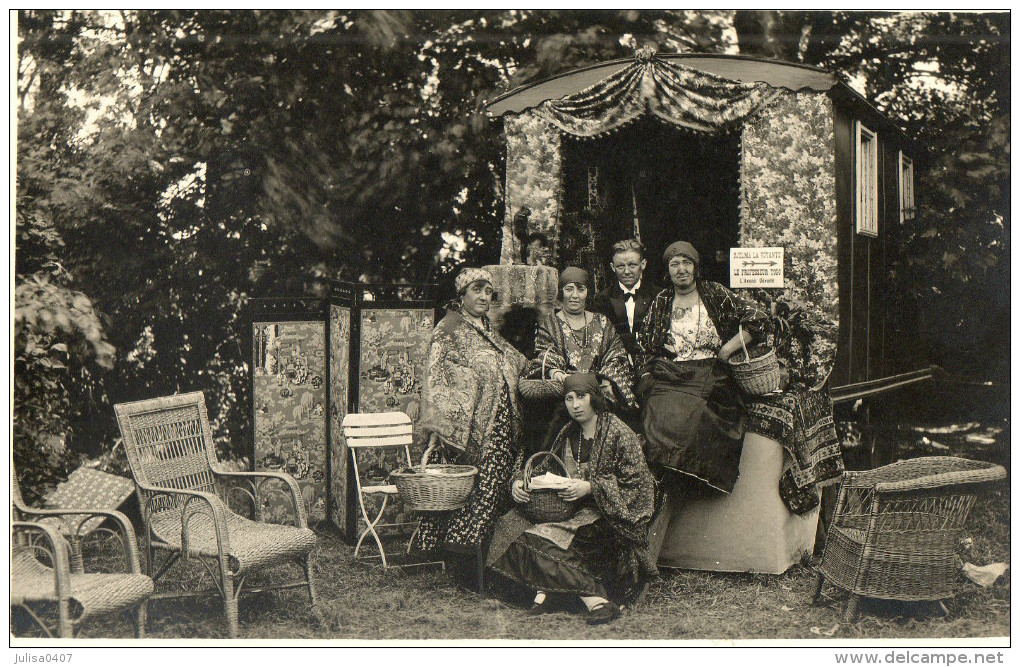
{"type": "Point", "coordinates": [672, 92]}
{"type": "Point", "coordinates": [533, 165]}
{"type": "Point", "coordinates": [788, 192]}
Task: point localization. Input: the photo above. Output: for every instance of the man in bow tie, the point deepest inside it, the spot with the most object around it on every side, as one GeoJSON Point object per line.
{"type": "Point", "coordinates": [626, 300]}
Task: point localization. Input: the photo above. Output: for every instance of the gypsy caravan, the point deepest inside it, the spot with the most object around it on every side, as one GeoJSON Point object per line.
{"type": "Point", "coordinates": [723, 151]}
{"type": "Point", "coordinates": [727, 152]}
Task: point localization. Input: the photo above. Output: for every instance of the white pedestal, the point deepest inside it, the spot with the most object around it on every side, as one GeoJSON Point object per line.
{"type": "Point", "coordinates": [748, 530]}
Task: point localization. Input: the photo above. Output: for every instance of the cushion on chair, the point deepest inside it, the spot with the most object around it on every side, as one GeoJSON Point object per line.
{"type": "Point", "coordinates": [102, 593]}
{"type": "Point", "coordinates": [88, 488]}
{"type": "Point", "coordinates": [96, 593]}
{"type": "Point", "coordinates": [253, 544]}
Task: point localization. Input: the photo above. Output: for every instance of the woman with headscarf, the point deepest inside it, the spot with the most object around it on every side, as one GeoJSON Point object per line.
{"type": "Point", "coordinates": [469, 403]}
{"type": "Point", "coordinates": [692, 412]}
{"type": "Point", "coordinates": [575, 340]}
{"type": "Point", "coordinates": [599, 554]}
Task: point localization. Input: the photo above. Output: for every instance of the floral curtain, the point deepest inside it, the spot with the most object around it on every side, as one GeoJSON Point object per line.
{"type": "Point", "coordinates": [675, 93]}
{"type": "Point", "coordinates": [533, 165]}
{"type": "Point", "coordinates": [788, 190]}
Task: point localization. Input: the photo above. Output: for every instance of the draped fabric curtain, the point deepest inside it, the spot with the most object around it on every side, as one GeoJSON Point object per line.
{"type": "Point", "coordinates": [788, 193]}
{"type": "Point", "coordinates": [672, 92]}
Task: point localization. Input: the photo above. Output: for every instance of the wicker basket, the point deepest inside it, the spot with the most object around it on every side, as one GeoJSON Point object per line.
{"type": "Point", "coordinates": [443, 488]}
{"type": "Point", "coordinates": [545, 505]}
{"type": "Point", "coordinates": [541, 388]}
{"type": "Point", "coordinates": [759, 376]}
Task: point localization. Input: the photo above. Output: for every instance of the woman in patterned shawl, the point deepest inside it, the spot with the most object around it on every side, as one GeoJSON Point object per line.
{"type": "Point", "coordinates": [469, 404]}
{"type": "Point", "coordinates": [600, 553]}
{"type": "Point", "coordinates": [575, 340]}
{"type": "Point", "coordinates": [692, 412]}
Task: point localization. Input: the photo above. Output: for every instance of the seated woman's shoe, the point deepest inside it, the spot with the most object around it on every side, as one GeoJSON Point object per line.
{"type": "Point", "coordinates": [537, 609]}
{"type": "Point", "coordinates": [603, 613]}
{"type": "Point", "coordinates": [540, 605]}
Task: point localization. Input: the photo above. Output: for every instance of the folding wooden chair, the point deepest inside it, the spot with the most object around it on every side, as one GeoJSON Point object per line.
{"type": "Point", "coordinates": [381, 430]}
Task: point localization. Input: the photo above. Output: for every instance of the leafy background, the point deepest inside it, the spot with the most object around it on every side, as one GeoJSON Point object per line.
{"type": "Point", "coordinates": [173, 164]}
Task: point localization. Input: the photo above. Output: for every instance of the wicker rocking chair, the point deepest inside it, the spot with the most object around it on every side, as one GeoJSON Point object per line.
{"type": "Point", "coordinates": [46, 571]}
{"type": "Point", "coordinates": [896, 529]}
{"type": "Point", "coordinates": [185, 502]}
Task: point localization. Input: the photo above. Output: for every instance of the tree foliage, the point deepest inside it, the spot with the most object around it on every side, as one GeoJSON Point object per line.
{"type": "Point", "coordinates": [173, 164]}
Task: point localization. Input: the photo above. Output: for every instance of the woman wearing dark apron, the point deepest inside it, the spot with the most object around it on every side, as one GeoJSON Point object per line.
{"type": "Point", "coordinates": [691, 409]}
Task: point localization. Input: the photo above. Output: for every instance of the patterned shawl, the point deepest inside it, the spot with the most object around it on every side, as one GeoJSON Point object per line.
{"type": "Point", "coordinates": [466, 370]}
{"type": "Point", "coordinates": [605, 355]}
{"type": "Point", "coordinates": [728, 312]}
{"type": "Point", "coordinates": [622, 488]}
{"type": "Point", "coordinates": [801, 421]}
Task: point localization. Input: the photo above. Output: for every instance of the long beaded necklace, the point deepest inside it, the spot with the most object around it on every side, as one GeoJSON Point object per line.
{"type": "Point", "coordinates": [583, 343]}
{"type": "Point", "coordinates": [581, 472]}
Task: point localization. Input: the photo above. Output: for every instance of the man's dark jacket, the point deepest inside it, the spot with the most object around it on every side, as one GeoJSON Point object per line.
{"type": "Point", "coordinates": [610, 302]}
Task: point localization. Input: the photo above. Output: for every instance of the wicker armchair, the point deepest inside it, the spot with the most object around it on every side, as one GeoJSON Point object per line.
{"type": "Point", "coordinates": [46, 573]}
{"type": "Point", "coordinates": [896, 529]}
{"type": "Point", "coordinates": [186, 502]}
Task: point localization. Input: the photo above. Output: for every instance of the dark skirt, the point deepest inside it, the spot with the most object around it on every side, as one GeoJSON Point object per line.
{"type": "Point", "coordinates": [537, 563]}
{"type": "Point", "coordinates": [693, 419]}
{"type": "Point", "coordinates": [466, 529]}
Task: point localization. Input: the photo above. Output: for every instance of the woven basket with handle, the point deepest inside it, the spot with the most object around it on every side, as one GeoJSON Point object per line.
{"type": "Point", "coordinates": [540, 388]}
{"type": "Point", "coordinates": [434, 487]}
{"type": "Point", "coordinates": [759, 376]}
{"type": "Point", "coordinates": [545, 505]}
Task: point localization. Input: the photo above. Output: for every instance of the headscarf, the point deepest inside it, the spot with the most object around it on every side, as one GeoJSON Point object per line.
{"type": "Point", "coordinates": [572, 274]}
{"type": "Point", "coordinates": [582, 383]}
{"type": "Point", "coordinates": [470, 275]}
{"type": "Point", "coordinates": [680, 248]}
{"type": "Point", "coordinates": [586, 383]}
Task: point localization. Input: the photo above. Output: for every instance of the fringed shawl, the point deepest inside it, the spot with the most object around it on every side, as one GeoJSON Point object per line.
{"type": "Point", "coordinates": [801, 421]}
{"type": "Point", "coordinates": [728, 311]}
{"type": "Point", "coordinates": [608, 355]}
{"type": "Point", "coordinates": [465, 372]}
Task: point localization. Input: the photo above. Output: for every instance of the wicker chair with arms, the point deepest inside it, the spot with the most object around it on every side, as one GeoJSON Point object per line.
{"type": "Point", "coordinates": [45, 574]}
{"type": "Point", "coordinates": [184, 499]}
{"type": "Point", "coordinates": [896, 529]}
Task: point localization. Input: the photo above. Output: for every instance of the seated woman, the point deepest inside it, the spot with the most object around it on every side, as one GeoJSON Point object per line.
{"type": "Point", "coordinates": [692, 412]}
{"type": "Point", "coordinates": [600, 553]}
{"type": "Point", "coordinates": [575, 340]}
{"type": "Point", "coordinates": [469, 402]}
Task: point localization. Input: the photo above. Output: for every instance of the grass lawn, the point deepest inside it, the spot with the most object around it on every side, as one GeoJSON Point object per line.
{"type": "Point", "coordinates": [361, 601]}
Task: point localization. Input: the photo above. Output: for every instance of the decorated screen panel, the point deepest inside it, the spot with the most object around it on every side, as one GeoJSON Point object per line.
{"type": "Point", "coordinates": [393, 351]}
{"type": "Point", "coordinates": [289, 394]}
{"type": "Point", "coordinates": [339, 364]}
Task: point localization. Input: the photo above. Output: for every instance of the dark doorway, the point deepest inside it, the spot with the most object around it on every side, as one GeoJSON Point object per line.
{"type": "Point", "coordinates": [682, 184]}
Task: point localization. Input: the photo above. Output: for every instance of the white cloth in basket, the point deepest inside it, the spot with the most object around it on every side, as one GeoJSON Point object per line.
{"type": "Point", "coordinates": [549, 481]}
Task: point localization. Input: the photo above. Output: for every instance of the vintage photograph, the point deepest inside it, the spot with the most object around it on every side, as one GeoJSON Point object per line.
{"type": "Point", "coordinates": [496, 327]}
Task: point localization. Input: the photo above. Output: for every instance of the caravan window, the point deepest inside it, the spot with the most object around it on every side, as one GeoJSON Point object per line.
{"type": "Point", "coordinates": [906, 187]}
{"type": "Point", "coordinates": [867, 181]}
